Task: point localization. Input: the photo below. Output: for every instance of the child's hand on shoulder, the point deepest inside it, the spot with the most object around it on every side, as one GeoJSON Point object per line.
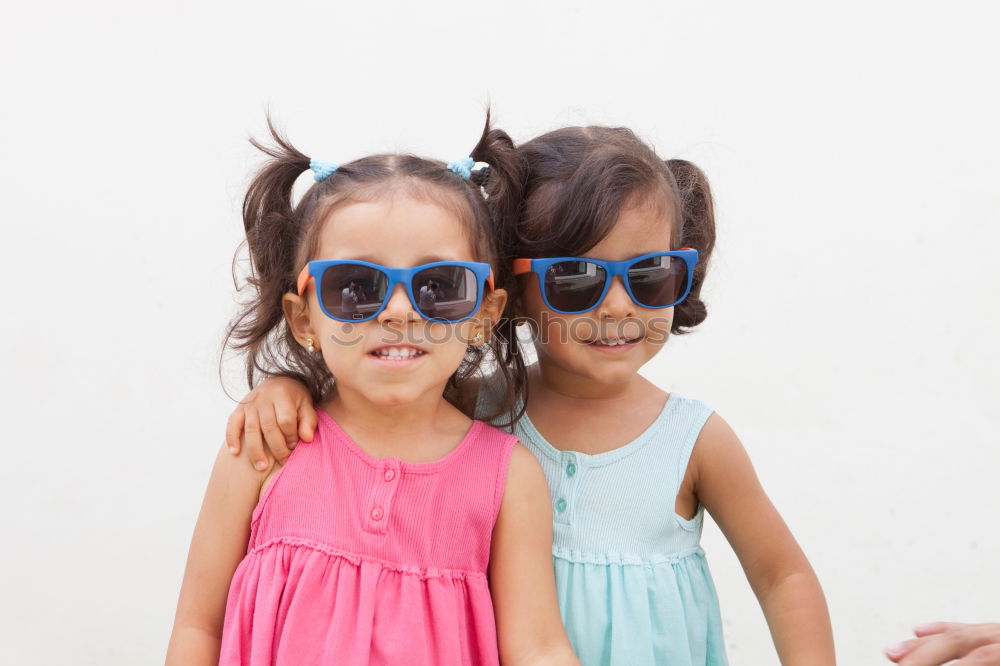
{"type": "Point", "coordinates": [271, 420]}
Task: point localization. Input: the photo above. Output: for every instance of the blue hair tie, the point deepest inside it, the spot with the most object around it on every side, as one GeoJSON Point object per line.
{"type": "Point", "coordinates": [322, 170]}
{"type": "Point", "coordinates": [463, 167]}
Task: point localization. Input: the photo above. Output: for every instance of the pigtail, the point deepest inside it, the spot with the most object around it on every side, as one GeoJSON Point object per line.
{"type": "Point", "coordinates": [502, 182]}
{"type": "Point", "coordinates": [274, 234]}
{"type": "Point", "coordinates": [697, 230]}
{"type": "Point", "coordinates": [267, 207]}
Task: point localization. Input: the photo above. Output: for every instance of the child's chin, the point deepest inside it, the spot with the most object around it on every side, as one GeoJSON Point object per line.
{"type": "Point", "coordinates": [617, 375]}
{"type": "Point", "coordinates": [393, 394]}
{"type": "Point", "coordinates": [610, 368]}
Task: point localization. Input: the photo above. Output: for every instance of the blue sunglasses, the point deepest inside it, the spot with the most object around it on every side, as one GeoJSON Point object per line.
{"type": "Point", "coordinates": [573, 285]}
{"type": "Point", "coordinates": [357, 291]}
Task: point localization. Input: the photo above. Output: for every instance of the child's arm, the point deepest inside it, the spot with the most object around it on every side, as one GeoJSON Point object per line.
{"type": "Point", "coordinates": [219, 543]}
{"type": "Point", "coordinates": [522, 579]}
{"type": "Point", "coordinates": [787, 588]}
{"type": "Point", "coordinates": [278, 413]}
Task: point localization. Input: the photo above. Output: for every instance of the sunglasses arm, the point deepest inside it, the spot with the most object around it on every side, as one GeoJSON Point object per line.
{"type": "Point", "coordinates": [303, 280]}
{"type": "Point", "coordinates": [522, 266]}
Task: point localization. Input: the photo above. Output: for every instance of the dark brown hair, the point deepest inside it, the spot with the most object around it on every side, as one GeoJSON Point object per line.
{"type": "Point", "coordinates": [580, 179]}
{"type": "Point", "coordinates": [283, 236]}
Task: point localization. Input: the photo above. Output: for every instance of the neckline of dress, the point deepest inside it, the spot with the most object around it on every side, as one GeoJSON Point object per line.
{"type": "Point", "coordinates": [394, 462]}
{"type": "Point", "coordinates": [606, 457]}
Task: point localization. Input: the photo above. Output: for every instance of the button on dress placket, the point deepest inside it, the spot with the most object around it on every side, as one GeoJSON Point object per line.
{"type": "Point", "coordinates": [379, 506]}
{"type": "Point", "coordinates": [564, 502]}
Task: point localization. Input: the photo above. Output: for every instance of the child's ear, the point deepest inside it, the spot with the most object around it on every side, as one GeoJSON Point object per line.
{"type": "Point", "coordinates": [491, 309]}
{"type": "Point", "coordinates": [296, 311]}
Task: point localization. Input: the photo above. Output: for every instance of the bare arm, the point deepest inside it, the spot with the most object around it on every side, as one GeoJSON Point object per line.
{"type": "Point", "coordinates": [522, 579]}
{"type": "Point", "coordinates": [272, 418]}
{"type": "Point", "coordinates": [219, 543]}
{"type": "Point", "coordinates": [779, 573]}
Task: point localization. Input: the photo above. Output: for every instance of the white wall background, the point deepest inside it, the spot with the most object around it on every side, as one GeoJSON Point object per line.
{"type": "Point", "coordinates": [852, 340]}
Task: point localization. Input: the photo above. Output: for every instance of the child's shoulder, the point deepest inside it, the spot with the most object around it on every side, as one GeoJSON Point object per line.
{"type": "Point", "coordinates": [701, 413]}
{"type": "Point", "coordinates": [682, 419]}
{"type": "Point", "coordinates": [303, 453]}
{"type": "Point", "coordinates": [709, 437]}
{"type": "Point", "coordinates": [689, 404]}
{"type": "Point", "coordinates": [495, 436]}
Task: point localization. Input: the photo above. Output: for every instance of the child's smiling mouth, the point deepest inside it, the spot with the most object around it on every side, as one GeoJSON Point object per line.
{"type": "Point", "coordinates": [396, 355]}
{"type": "Point", "coordinates": [613, 344]}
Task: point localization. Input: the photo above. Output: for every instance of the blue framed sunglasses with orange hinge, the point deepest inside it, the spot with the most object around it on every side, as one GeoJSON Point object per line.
{"type": "Point", "coordinates": [573, 285]}
{"type": "Point", "coordinates": [357, 291]}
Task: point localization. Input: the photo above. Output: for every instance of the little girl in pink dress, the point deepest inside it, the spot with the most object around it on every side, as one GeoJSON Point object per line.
{"type": "Point", "coordinates": [405, 532]}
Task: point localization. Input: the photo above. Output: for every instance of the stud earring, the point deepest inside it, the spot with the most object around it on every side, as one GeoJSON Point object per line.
{"type": "Point", "coordinates": [309, 345]}
{"type": "Point", "coordinates": [476, 340]}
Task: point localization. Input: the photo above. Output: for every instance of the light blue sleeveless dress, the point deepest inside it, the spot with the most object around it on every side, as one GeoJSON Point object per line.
{"type": "Point", "coordinates": [633, 583]}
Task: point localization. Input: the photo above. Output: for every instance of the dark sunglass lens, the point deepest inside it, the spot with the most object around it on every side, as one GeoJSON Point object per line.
{"type": "Point", "coordinates": [574, 286]}
{"type": "Point", "coordinates": [446, 293]}
{"type": "Point", "coordinates": [658, 281]}
{"type": "Point", "coordinates": [352, 292]}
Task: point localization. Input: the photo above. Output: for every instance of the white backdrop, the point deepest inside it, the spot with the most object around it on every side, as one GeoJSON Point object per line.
{"type": "Point", "coordinates": [851, 342]}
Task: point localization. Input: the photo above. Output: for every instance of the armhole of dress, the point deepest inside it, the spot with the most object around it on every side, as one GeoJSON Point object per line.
{"type": "Point", "coordinates": [257, 510]}
{"type": "Point", "coordinates": [277, 475]}
{"type": "Point", "coordinates": [509, 442]}
{"type": "Point", "coordinates": [698, 422]}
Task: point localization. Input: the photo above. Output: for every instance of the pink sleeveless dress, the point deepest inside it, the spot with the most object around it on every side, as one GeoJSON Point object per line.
{"type": "Point", "coordinates": [361, 560]}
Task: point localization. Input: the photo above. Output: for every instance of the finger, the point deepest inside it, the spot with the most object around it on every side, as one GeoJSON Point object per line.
{"type": "Point", "coordinates": [929, 628]}
{"type": "Point", "coordinates": [307, 421]}
{"type": "Point", "coordinates": [987, 655]}
{"type": "Point", "coordinates": [288, 421]}
{"type": "Point", "coordinates": [253, 440]}
{"type": "Point", "coordinates": [234, 430]}
{"type": "Point", "coordinates": [900, 650]}
{"type": "Point", "coordinates": [273, 437]}
{"type": "Point", "coordinates": [936, 650]}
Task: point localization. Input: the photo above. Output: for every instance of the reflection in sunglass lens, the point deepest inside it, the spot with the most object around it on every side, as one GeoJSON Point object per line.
{"type": "Point", "coordinates": [352, 292]}
{"type": "Point", "coordinates": [574, 286]}
{"type": "Point", "coordinates": [446, 293]}
{"type": "Point", "coordinates": [658, 281]}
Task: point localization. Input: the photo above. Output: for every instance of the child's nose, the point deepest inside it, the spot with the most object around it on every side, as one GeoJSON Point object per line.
{"type": "Point", "coordinates": [617, 304]}
{"type": "Point", "coordinates": [399, 307]}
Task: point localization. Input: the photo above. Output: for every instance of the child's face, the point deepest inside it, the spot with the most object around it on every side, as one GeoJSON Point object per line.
{"type": "Point", "coordinates": [571, 343]}
{"type": "Point", "coordinates": [397, 231]}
